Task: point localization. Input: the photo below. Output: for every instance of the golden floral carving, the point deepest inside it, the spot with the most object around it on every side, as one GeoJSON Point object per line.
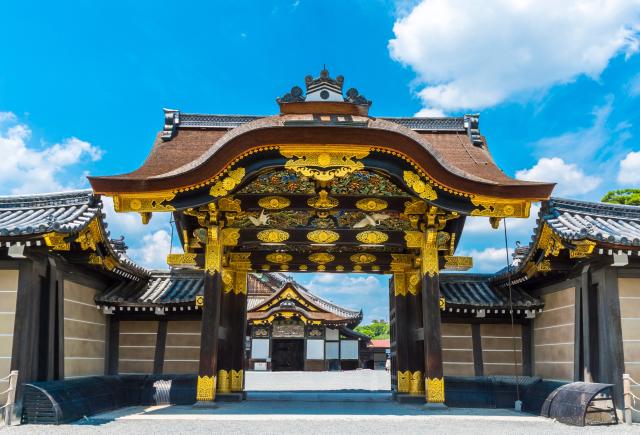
{"type": "Point", "coordinates": [583, 249]}
{"type": "Point", "coordinates": [372, 204]}
{"type": "Point", "coordinates": [399, 284]}
{"type": "Point", "coordinates": [228, 183]}
{"type": "Point", "coordinates": [321, 163]}
{"type": "Point", "coordinates": [372, 237]}
{"type": "Point", "coordinates": [229, 204]}
{"type": "Point", "coordinates": [213, 251]}
{"type": "Point", "coordinates": [435, 390]}
{"type": "Point", "coordinates": [205, 390]}
{"type": "Point", "coordinates": [237, 380]}
{"type": "Point", "coordinates": [56, 241]}
{"type": "Point", "coordinates": [143, 202]}
{"type": "Point", "coordinates": [413, 239]}
{"type": "Point", "coordinates": [273, 236]}
{"type": "Point", "coordinates": [544, 266]}
{"type": "Point", "coordinates": [279, 257]}
{"type": "Point", "coordinates": [180, 260]}
{"type": "Point", "coordinates": [227, 281]}
{"type": "Point", "coordinates": [456, 262]}
{"type": "Point", "coordinates": [90, 236]}
{"type": "Point", "coordinates": [230, 236]}
{"type": "Point", "coordinates": [424, 190]}
{"type": "Point", "coordinates": [323, 201]}
{"type": "Point", "coordinates": [415, 207]}
{"type": "Point", "coordinates": [362, 258]}
{"type": "Point", "coordinates": [321, 258]}
{"type": "Point", "coordinates": [274, 202]}
{"type": "Point", "coordinates": [323, 236]}
{"type": "Point", "coordinates": [429, 254]}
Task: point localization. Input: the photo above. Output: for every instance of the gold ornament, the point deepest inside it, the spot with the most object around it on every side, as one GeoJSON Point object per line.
{"type": "Point", "coordinates": [279, 258]}
{"type": "Point", "coordinates": [544, 266]}
{"type": "Point", "coordinates": [362, 258]}
{"type": "Point", "coordinates": [206, 388]}
{"type": "Point", "coordinates": [413, 239]}
{"type": "Point", "coordinates": [237, 380]}
{"type": "Point", "coordinates": [229, 204]}
{"type": "Point", "coordinates": [372, 237]}
{"type": "Point", "coordinates": [424, 190]}
{"type": "Point", "coordinates": [372, 204]}
{"type": "Point", "coordinates": [404, 381]}
{"type": "Point", "coordinates": [274, 202]}
{"type": "Point", "coordinates": [442, 304]}
{"type": "Point", "coordinates": [340, 268]}
{"type": "Point", "coordinates": [584, 248]}
{"type": "Point", "coordinates": [182, 260]}
{"type": "Point", "coordinates": [415, 207]}
{"type": "Point", "coordinates": [435, 390]}
{"type": "Point", "coordinates": [429, 254]}
{"type": "Point", "coordinates": [227, 281]}
{"type": "Point", "coordinates": [321, 258]}
{"type": "Point", "coordinates": [321, 163]}
{"type": "Point", "coordinates": [323, 236]}
{"type": "Point", "coordinates": [56, 241]}
{"type": "Point", "coordinates": [273, 236]}
{"type": "Point", "coordinates": [143, 202]}
{"type": "Point", "coordinates": [213, 251]}
{"type": "Point", "coordinates": [224, 382]}
{"type": "Point", "coordinates": [228, 183]}
{"type": "Point", "coordinates": [323, 201]}
{"type": "Point", "coordinates": [90, 236]}
{"type": "Point", "coordinates": [416, 384]}
{"type": "Point", "coordinates": [456, 262]}
{"type": "Point", "coordinates": [499, 207]}
{"type": "Point", "coordinates": [230, 236]}
{"type": "Point", "coordinates": [199, 301]}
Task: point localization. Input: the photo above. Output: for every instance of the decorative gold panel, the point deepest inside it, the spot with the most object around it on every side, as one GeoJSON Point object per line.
{"type": "Point", "coordinates": [415, 207]}
{"type": "Point", "coordinates": [229, 204]}
{"type": "Point", "coordinates": [90, 236]}
{"type": "Point", "coordinates": [224, 381]}
{"type": "Point", "coordinates": [363, 258]}
{"type": "Point", "coordinates": [372, 237]}
{"type": "Point", "coordinates": [273, 236]}
{"type": "Point", "coordinates": [455, 262]}
{"type": "Point", "coordinates": [584, 248]}
{"type": "Point", "coordinates": [321, 258]}
{"type": "Point", "coordinates": [230, 236]}
{"type": "Point", "coordinates": [186, 259]}
{"type": "Point", "coordinates": [498, 207]}
{"type": "Point", "coordinates": [56, 241]}
{"type": "Point", "coordinates": [321, 163]}
{"type": "Point", "coordinates": [323, 236]}
{"type": "Point", "coordinates": [279, 257]}
{"type": "Point", "coordinates": [544, 266]}
{"type": "Point", "coordinates": [228, 183]}
{"type": "Point", "coordinates": [429, 254]}
{"type": "Point", "coordinates": [199, 301]}
{"type": "Point", "coordinates": [274, 202]}
{"type": "Point", "coordinates": [206, 388]}
{"type": "Point", "coordinates": [424, 190]}
{"type": "Point", "coordinates": [435, 390]}
{"type": "Point", "coordinates": [413, 239]}
{"type": "Point", "coordinates": [227, 280]}
{"type": "Point", "coordinates": [372, 204]}
{"type": "Point", "coordinates": [442, 303]}
{"type": "Point", "coordinates": [416, 384]}
{"type": "Point", "coordinates": [143, 202]}
{"type": "Point", "coordinates": [323, 201]}
{"type": "Point", "coordinates": [213, 251]}
{"type": "Point", "coordinates": [237, 380]}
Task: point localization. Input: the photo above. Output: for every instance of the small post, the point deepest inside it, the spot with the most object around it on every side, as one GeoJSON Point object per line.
{"type": "Point", "coordinates": [626, 387]}
{"type": "Point", "coordinates": [11, 397]}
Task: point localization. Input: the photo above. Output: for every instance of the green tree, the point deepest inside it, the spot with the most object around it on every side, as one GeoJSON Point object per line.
{"type": "Point", "coordinates": [623, 196]}
{"type": "Point", "coordinates": [378, 329]}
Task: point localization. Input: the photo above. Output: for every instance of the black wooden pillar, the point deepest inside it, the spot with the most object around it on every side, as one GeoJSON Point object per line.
{"type": "Point", "coordinates": [415, 352]}
{"type": "Point", "coordinates": [224, 343]}
{"type": "Point", "coordinates": [206, 391]}
{"type": "Point", "coordinates": [238, 331]}
{"type": "Point", "coordinates": [434, 376]}
{"type": "Point", "coordinates": [161, 344]}
{"type": "Point", "coordinates": [112, 345]}
{"type": "Point", "coordinates": [402, 333]}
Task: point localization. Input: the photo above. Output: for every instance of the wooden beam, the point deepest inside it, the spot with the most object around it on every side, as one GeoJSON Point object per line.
{"type": "Point", "coordinates": [434, 373]}
{"type": "Point", "coordinates": [161, 342]}
{"type": "Point", "coordinates": [208, 368]}
{"type": "Point", "coordinates": [527, 349]}
{"type": "Point", "coordinates": [112, 345]}
{"type": "Point", "coordinates": [476, 340]}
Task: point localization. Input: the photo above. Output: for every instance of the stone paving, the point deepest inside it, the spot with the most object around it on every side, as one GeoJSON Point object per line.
{"type": "Point", "coordinates": [318, 416]}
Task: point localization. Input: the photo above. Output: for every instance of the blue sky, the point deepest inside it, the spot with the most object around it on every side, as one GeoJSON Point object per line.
{"type": "Point", "coordinates": [82, 85]}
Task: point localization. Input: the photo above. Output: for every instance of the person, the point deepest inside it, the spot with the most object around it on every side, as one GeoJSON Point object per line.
{"type": "Point", "coordinates": [387, 364]}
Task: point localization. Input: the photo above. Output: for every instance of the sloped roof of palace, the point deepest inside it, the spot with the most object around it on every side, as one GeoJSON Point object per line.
{"type": "Point", "coordinates": [476, 291]}
{"type": "Point", "coordinates": [193, 147]}
{"type": "Point", "coordinates": [64, 212]}
{"type": "Point", "coordinates": [25, 219]}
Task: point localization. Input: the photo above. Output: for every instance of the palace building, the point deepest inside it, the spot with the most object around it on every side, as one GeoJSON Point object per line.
{"type": "Point", "coordinates": [322, 186]}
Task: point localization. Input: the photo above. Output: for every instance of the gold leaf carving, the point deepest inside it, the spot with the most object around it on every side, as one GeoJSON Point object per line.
{"type": "Point", "coordinates": [273, 236]}
{"type": "Point", "coordinates": [143, 202]}
{"type": "Point", "coordinates": [321, 258]}
{"type": "Point", "coordinates": [228, 183]}
{"type": "Point", "coordinates": [413, 239]}
{"type": "Point", "coordinates": [237, 380]}
{"type": "Point", "coordinates": [416, 384]}
{"type": "Point", "coordinates": [498, 207]}
{"type": "Point", "coordinates": [372, 204]}
{"type": "Point", "coordinates": [206, 388]}
{"type": "Point", "coordinates": [224, 381]}
{"type": "Point", "coordinates": [372, 237]}
{"type": "Point", "coordinates": [229, 204]}
{"type": "Point", "coordinates": [435, 390]}
{"type": "Point", "coordinates": [279, 257]}
{"type": "Point", "coordinates": [56, 241]}
{"type": "Point", "coordinates": [404, 381]}
{"type": "Point", "coordinates": [454, 262]}
{"type": "Point", "coordinates": [362, 258]}
{"type": "Point", "coordinates": [321, 163]}
{"type": "Point", "coordinates": [424, 190]}
{"type": "Point", "coordinates": [323, 236]}
{"type": "Point", "coordinates": [186, 259]}
{"type": "Point", "coordinates": [274, 202]}
{"type": "Point", "coordinates": [323, 201]}
{"type": "Point", "coordinates": [230, 236]}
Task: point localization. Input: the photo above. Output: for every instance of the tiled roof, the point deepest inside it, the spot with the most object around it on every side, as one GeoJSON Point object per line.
{"type": "Point", "coordinates": [193, 120]}
{"type": "Point", "coordinates": [66, 212]}
{"type": "Point", "coordinates": [596, 221]}
{"type": "Point", "coordinates": [476, 291]}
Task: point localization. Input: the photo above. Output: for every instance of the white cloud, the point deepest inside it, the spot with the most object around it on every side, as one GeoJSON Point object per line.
{"type": "Point", "coordinates": [570, 178]}
{"type": "Point", "coordinates": [473, 54]}
{"type": "Point", "coordinates": [335, 283]}
{"type": "Point", "coordinates": [30, 169]}
{"type": "Point", "coordinates": [629, 172]}
{"type": "Point", "coordinates": [488, 260]}
{"type": "Point", "coordinates": [153, 249]}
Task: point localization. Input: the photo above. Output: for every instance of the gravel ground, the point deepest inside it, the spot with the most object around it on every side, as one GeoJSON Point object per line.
{"type": "Point", "coordinates": [316, 417]}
